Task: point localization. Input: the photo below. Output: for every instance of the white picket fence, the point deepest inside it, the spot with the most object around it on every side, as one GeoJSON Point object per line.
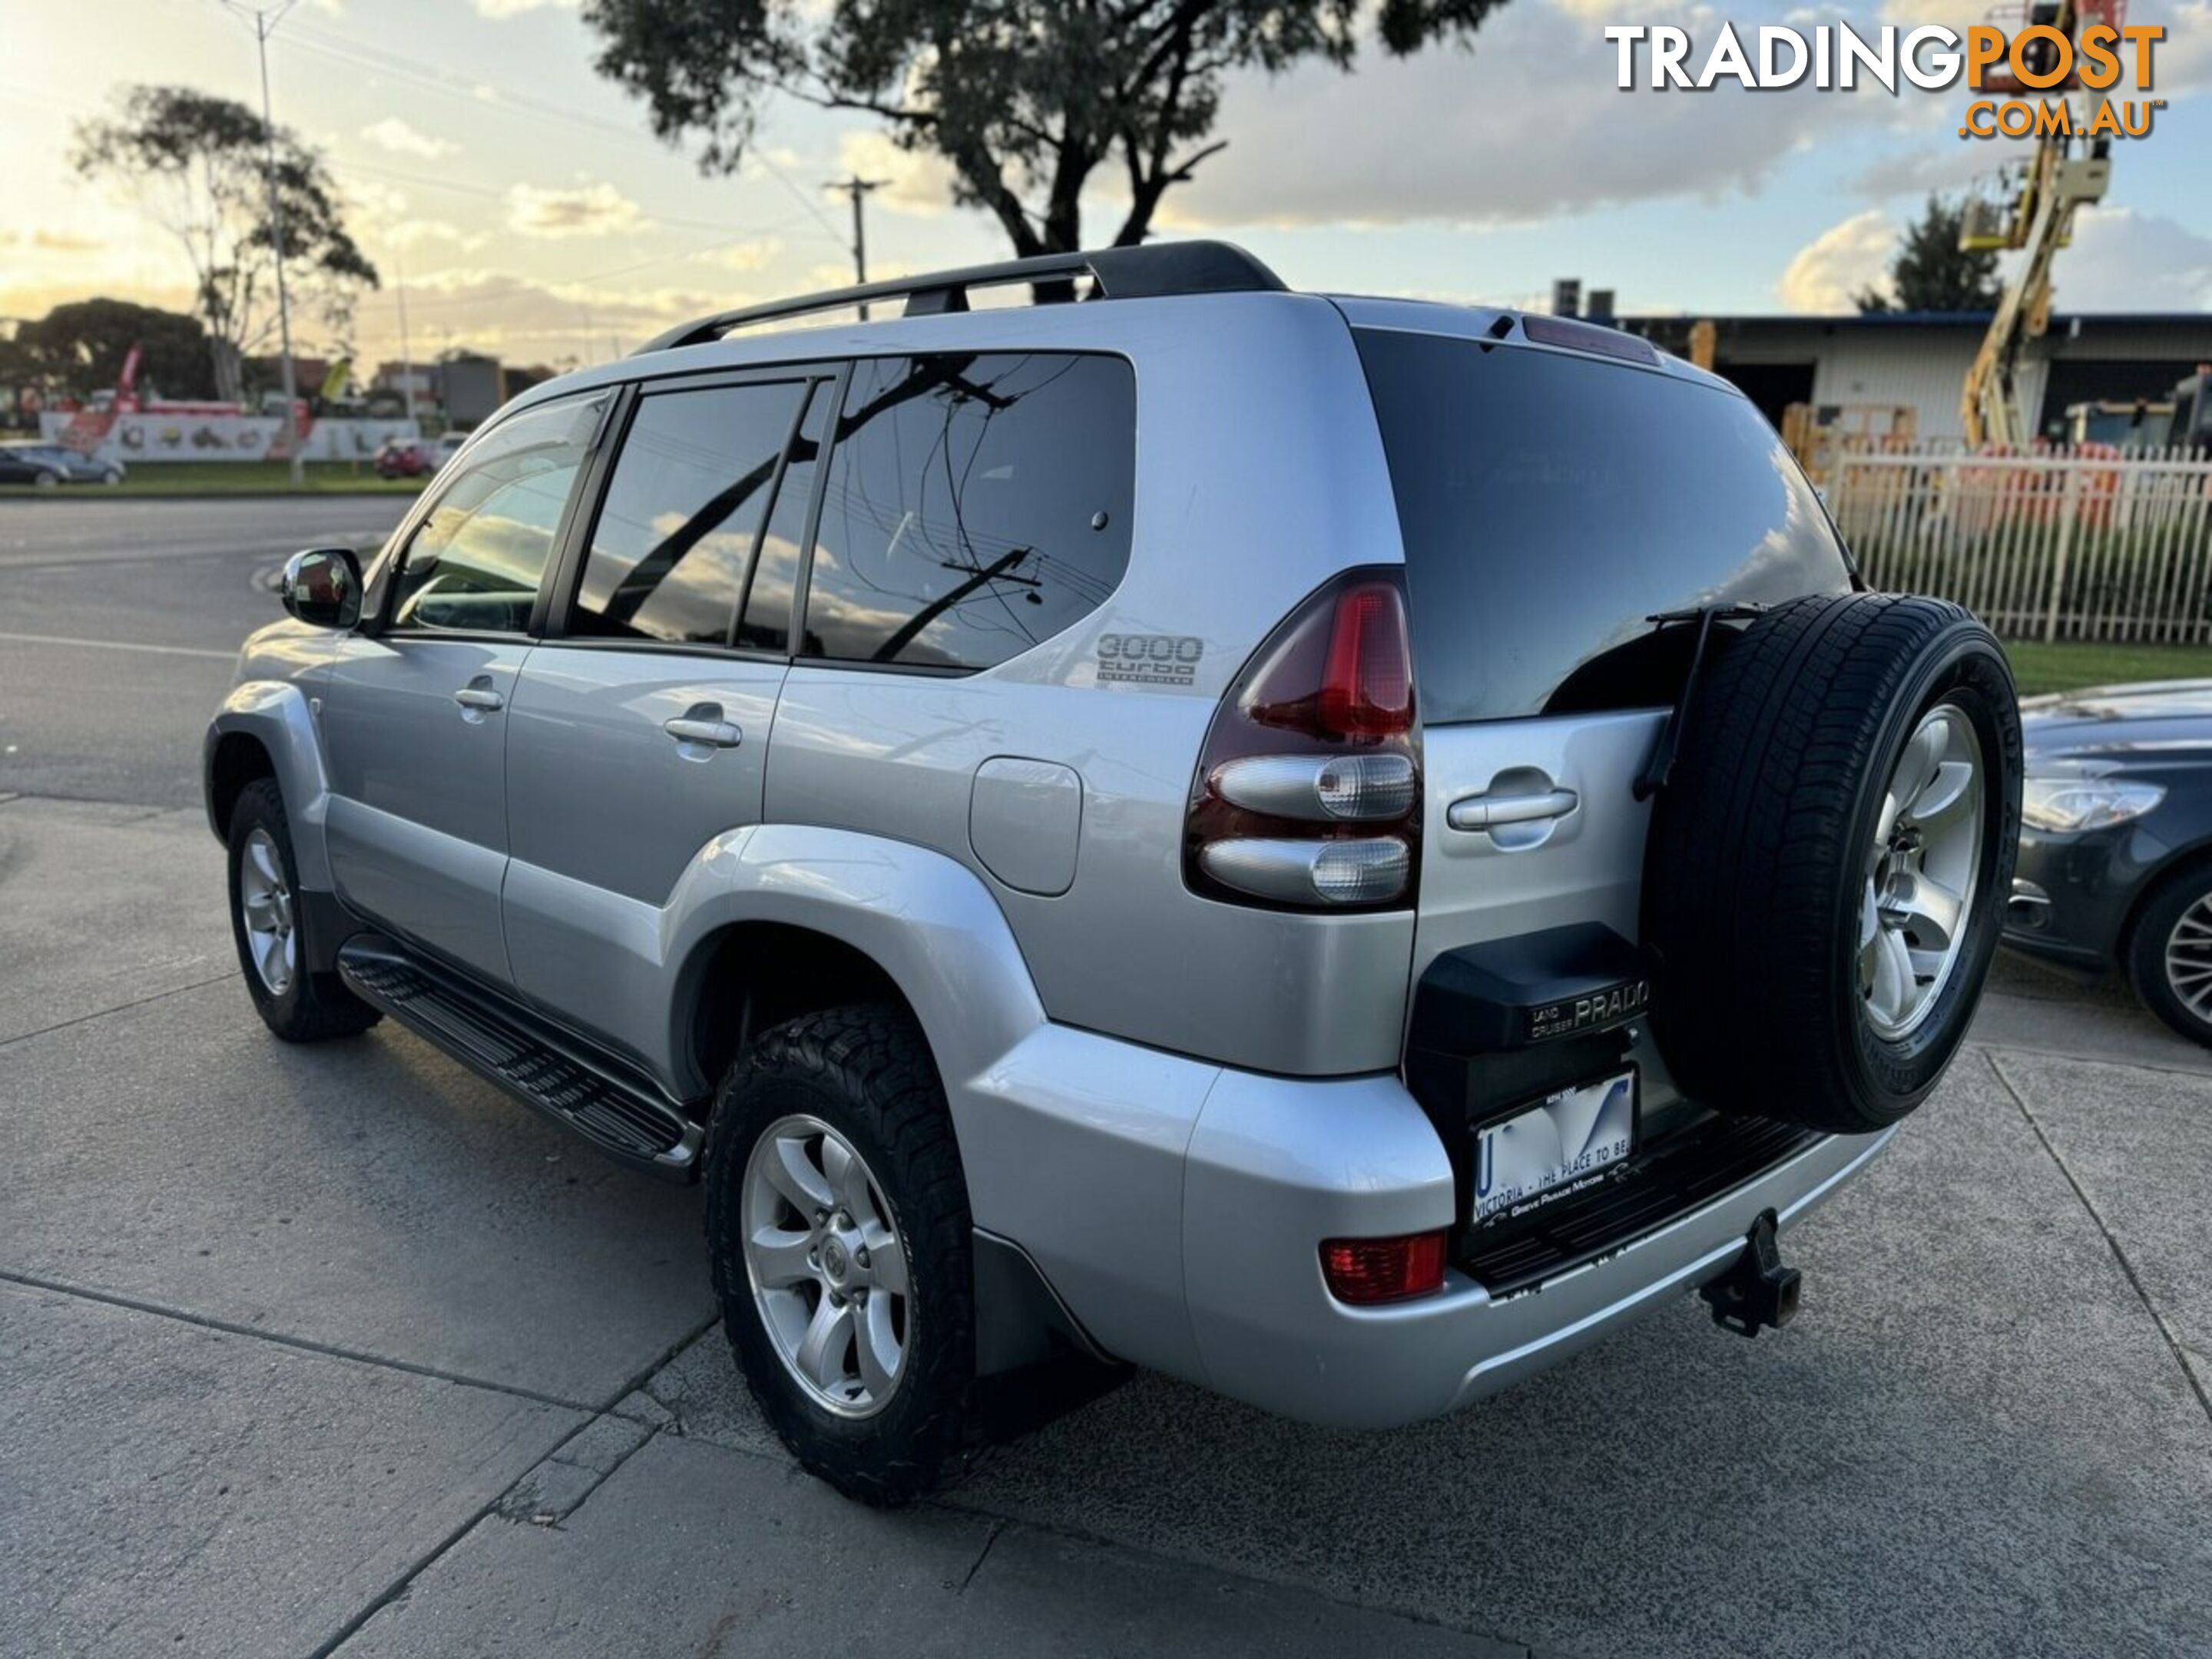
{"type": "Point", "coordinates": [2064, 546]}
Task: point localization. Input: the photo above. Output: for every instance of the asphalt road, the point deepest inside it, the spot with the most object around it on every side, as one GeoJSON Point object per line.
{"type": "Point", "coordinates": [118, 623]}
{"type": "Point", "coordinates": [336, 1350]}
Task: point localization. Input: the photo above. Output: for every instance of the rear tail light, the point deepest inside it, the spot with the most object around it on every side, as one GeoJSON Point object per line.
{"type": "Point", "coordinates": [1367, 690]}
{"type": "Point", "coordinates": [1308, 796]}
{"type": "Point", "coordinates": [1366, 1270]}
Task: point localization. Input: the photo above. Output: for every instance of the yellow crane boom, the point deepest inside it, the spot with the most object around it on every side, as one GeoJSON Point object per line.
{"type": "Point", "coordinates": [2038, 221]}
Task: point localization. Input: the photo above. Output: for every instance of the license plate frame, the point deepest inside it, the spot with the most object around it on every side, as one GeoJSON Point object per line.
{"type": "Point", "coordinates": [1569, 1139]}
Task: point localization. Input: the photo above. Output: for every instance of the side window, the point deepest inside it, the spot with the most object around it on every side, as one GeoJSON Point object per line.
{"type": "Point", "coordinates": [690, 491]}
{"type": "Point", "coordinates": [977, 505]}
{"type": "Point", "coordinates": [473, 564]}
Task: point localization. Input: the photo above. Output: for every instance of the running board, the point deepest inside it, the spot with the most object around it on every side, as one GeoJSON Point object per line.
{"type": "Point", "coordinates": [619, 1114]}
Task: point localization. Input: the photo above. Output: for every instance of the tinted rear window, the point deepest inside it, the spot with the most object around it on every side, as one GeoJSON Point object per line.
{"type": "Point", "coordinates": [1550, 505]}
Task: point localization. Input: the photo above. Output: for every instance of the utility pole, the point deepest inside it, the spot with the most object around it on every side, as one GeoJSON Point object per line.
{"type": "Point", "coordinates": [406, 362]}
{"type": "Point", "coordinates": [264, 24]}
{"type": "Point", "coordinates": [858, 189]}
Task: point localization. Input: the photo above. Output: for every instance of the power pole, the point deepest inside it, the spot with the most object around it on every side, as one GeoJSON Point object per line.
{"type": "Point", "coordinates": [264, 24]}
{"type": "Point", "coordinates": [406, 362]}
{"type": "Point", "coordinates": [858, 189]}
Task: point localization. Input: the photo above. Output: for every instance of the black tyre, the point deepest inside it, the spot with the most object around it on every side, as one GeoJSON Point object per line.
{"type": "Point", "coordinates": [842, 1251]}
{"type": "Point", "coordinates": [2169, 952]}
{"type": "Point", "coordinates": [1827, 868]}
{"type": "Point", "coordinates": [268, 921]}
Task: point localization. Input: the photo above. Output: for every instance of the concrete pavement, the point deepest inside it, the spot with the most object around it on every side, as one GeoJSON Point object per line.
{"type": "Point", "coordinates": [120, 621]}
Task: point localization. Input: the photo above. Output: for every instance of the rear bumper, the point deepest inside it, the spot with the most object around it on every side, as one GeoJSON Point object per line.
{"type": "Point", "coordinates": [1273, 1335]}
{"type": "Point", "coordinates": [1178, 1210]}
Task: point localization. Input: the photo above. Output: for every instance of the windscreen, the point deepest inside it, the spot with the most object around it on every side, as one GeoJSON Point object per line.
{"type": "Point", "coordinates": [1551, 504]}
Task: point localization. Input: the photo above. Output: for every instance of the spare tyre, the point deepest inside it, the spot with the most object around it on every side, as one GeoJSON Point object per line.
{"type": "Point", "coordinates": [1829, 860]}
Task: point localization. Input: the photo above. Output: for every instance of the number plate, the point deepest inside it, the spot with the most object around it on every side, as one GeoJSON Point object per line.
{"type": "Point", "coordinates": [1553, 1147]}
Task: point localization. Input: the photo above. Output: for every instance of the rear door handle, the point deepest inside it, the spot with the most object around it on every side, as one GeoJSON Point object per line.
{"type": "Point", "coordinates": [1495, 811]}
{"type": "Point", "coordinates": [478, 694]}
{"type": "Point", "coordinates": [704, 724]}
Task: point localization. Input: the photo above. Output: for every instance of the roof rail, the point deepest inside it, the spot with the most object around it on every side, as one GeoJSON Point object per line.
{"type": "Point", "coordinates": [1119, 273]}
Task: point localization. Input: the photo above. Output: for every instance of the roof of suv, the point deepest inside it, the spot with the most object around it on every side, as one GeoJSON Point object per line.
{"type": "Point", "coordinates": [1161, 271]}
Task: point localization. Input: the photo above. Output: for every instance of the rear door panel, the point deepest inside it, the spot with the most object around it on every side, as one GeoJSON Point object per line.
{"type": "Point", "coordinates": [641, 728]}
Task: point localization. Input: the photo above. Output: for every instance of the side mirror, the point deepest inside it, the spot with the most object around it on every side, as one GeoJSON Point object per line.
{"type": "Point", "coordinates": [322, 586]}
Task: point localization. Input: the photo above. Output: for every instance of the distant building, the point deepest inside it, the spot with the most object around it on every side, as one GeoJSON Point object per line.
{"type": "Point", "coordinates": [472, 385]}
{"type": "Point", "coordinates": [519, 380]}
{"type": "Point", "coordinates": [400, 378]}
{"type": "Point", "coordinates": [1846, 367]}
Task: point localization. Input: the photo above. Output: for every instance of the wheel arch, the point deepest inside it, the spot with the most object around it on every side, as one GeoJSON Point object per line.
{"type": "Point", "coordinates": [235, 760]}
{"type": "Point", "coordinates": [265, 728]}
{"type": "Point", "coordinates": [2195, 855]}
{"type": "Point", "coordinates": [864, 918]}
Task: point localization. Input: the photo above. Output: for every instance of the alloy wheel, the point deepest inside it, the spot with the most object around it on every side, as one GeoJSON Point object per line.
{"type": "Point", "coordinates": [2189, 958]}
{"type": "Point", "coordinates": [1921, 873]}
{"type": "Point", "coordinates": [827, 1266]}
{"type": "Point", "coordinates": [265, 904]}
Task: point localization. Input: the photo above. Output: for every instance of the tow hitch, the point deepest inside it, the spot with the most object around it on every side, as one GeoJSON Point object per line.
{"type": "Point", "coordinates": [1757, 1291]}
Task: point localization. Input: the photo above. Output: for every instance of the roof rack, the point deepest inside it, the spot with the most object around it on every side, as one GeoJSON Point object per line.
{"type": "Point", "coordinates": [1119, 273]}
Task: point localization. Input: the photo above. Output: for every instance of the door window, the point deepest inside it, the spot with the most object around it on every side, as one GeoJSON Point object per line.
{"type": "Point", "coordinates": [474, 562]}
{"type": "Point", "coordinates": [977, 505]}
{"type": "Point", "coordinates": [683, 512]}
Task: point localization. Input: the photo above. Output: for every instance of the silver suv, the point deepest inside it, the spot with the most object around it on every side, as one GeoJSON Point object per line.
{"type": "Point", "coordinates": [1337, 849]}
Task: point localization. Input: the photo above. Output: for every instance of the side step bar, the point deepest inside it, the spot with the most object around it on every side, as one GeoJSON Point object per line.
{"type": "Point", "coordinates": [620, 1114]}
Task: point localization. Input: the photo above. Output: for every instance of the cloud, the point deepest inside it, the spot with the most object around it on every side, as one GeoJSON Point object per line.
{"type": "Point", "coordinates": [497, 312]}
{"type": "Point", "coordinates": [1949, 13]}
{"type": "Point", "coordinates": [501, 11]}
{"type": "Point", "coordinates": [394, 135]}
{"type": "Point", "coordinates": [1839, 263]}
{"type": "Point", "coordinates": [594, 210]}
{"type": "Point", "coordinates": [2126, 260]}
{"type": "Point", "coordinates": [755, 255]}
{"type": "Point", "coordinates": [1496, 144]}
{"type": "Point", "coordinates": [1922, 171]}
{"type": "Point", "coordinates": [918, 182]}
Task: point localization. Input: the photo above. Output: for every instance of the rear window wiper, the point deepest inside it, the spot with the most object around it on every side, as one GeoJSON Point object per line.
{"type": "Point", "coordinates": [1660, 766]}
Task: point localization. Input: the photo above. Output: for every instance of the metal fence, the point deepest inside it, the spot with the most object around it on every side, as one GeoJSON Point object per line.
{"type": "Point", "coordinates": [2066, 545]}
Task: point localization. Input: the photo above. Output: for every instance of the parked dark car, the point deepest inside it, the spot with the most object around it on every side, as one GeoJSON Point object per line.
{"type": "Point", "coordinates": [2116, 841]}
{"type": "Point", "coordinates": [49, 465]}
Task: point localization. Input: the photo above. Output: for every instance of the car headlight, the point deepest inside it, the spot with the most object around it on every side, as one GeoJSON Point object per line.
{"type": "Point", "coordinates": [2066, 805]}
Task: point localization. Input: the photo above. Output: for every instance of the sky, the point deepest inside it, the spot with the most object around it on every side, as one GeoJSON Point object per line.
{"type": "Point", "coordinates": [520, 205]}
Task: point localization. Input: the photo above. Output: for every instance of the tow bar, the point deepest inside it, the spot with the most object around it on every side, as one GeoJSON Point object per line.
{"type": "Point", "coordinates": [1757, 1291]}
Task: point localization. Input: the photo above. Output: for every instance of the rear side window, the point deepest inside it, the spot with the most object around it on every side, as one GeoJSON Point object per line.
{"type": "Point", "coordinates": [1550, 506]}
{"type": "Point", "coordinates": [977, 505]}
{"type": "Point", "coordinates": [676, 536]}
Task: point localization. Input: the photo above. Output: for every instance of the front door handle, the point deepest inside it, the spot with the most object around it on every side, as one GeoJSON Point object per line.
{"type": "Point", "coordinates": [703, 723]}
{"type": "Point", "coordinates": [1495, 811]}
{"type": "Point", "coordinates": [478, 694]}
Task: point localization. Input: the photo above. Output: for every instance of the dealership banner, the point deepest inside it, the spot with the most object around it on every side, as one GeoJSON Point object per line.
{"type": "Point", "coordinates": [179, 437]}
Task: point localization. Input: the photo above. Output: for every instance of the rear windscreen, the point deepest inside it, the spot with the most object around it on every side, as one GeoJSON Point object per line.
{"type": "Point", "coordinates": [1551, 504]}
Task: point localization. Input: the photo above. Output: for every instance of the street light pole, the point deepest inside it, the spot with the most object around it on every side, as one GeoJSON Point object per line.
{"type": "Point", "coordinates": [406, 362]}
{"type": "Point", "coordinates": [264, 24]}
{"type": "Point", "coordinates": [857, 188]}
